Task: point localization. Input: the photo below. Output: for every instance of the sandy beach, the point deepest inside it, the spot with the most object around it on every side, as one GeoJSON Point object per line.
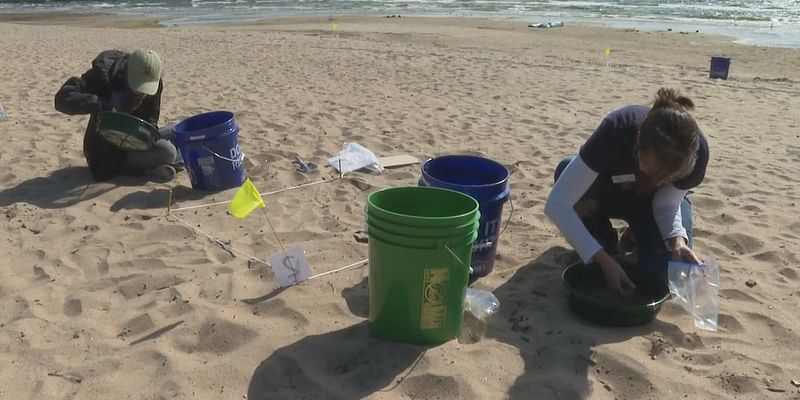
{"type": "Point", "coordinates": [105, 297]}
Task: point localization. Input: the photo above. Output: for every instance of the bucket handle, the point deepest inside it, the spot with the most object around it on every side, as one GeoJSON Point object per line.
{"type": "Point", "coordinates": [449, 250]}
{"type": "Point", "coordinates": [240, 160]}
{"type": "Point", "coordinates": [508, 220]}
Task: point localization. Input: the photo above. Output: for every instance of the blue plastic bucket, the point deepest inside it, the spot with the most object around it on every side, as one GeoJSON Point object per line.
{"type": "Point", "coordinates": [484, 180]}
{"type": "Point", "coordinates": [209, 144]}
{"type": "Point", "coordinates": [719, 67]}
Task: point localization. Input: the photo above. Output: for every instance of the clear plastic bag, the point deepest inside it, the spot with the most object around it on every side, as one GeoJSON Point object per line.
{"type": "Point", "coordinates": [354, 157]}
{"type": "Point", "coordinates": [479, 305]}
{"type": "Point", "coordinates": [695, 288]}
{"type": "Point", "coordinates": [3, 115]}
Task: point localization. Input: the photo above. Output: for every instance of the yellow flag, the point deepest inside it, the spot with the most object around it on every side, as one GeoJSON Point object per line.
{"type": "Point", "coordinates": [246, 200]}
{"type": "Point", "coordinates": [607, 51]}
{"type": "Point", "coordinates": [334, 26]}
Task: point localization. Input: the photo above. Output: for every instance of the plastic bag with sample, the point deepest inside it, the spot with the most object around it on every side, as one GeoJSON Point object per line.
{"type": "Point", "coordinates": [479, 305]}
{"type": "Point", "coordinates": [695, 287]}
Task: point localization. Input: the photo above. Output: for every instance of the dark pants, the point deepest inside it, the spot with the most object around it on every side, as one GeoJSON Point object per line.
{"type": "Point", "coordinates": [603, 201]}
{"type": "Point", "coordinates": [164, 152]}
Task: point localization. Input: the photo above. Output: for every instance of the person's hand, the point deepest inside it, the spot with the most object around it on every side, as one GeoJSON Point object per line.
{"type": "Point", "coordinates": [682, 252]}
{"type": "Point", "coordinates": [126, 101]}
{"type": "Point", "coordinates": [616, 278]}
{"type": "Point", "coordinates": [131, 101]}
{"type": "Point", "coordinates": [135, 101]}
{"type": "Point", "coordinates": [103, 104]}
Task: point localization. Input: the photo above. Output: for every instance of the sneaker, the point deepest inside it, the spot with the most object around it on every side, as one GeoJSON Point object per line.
{"type": "Point", "coordinates": [162, 173]}
{"type": "Point", "coordinates": [178, 163]}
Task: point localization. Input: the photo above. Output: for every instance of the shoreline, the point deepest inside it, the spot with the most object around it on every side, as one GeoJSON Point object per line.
{"type": "Point", "coordinates": [81, 19]}
{"type": "Point", "coordinates": [127, 20]}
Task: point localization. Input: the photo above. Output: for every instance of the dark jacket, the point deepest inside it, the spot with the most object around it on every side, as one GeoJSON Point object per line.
{"type": "Point", "coordinates": [90, 94]}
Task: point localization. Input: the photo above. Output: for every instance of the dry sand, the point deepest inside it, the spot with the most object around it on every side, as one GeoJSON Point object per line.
{"type": "Point", "coordinates": [105, 298]}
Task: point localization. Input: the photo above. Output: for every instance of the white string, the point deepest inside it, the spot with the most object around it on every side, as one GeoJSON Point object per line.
{"type": "Point", "coordinates": [254, 258]}
{"type": "Point", "coordinates": [250, 256]}
{"type": "Point", "coordinates": [346, 267]}
{"type": "Point", "coordinates": [218, 241]}
{"type": "Point", "coordinates": [262, 194]}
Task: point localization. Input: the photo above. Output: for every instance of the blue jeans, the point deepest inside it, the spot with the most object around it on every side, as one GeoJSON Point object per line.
{"type": "Point", "coordinates": [603, 201]}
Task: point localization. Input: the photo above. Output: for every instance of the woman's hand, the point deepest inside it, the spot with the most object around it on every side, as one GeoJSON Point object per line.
{"type": "Point", "coordinates": [616, 278]}
{"type": "Point", "coordinates": [681, 251]}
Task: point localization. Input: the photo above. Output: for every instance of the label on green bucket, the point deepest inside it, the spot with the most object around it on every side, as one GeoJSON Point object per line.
{"type": "Point", "coordinates": [434, 293]}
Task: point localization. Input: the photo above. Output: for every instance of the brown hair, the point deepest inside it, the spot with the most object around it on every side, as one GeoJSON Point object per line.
{"type": "Point", "coordinates": [669, 132]}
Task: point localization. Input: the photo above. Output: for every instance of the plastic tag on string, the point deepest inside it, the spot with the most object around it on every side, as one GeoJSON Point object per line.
{"type": "Point", "coordinates": [290, 267]}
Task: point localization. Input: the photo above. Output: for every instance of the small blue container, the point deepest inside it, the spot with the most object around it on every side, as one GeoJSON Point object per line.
{"type": "Point", "coordinates": [209, 144]}
{"type": "Point", "coordinates": [484, 180]}
{"type": "Point", "coordinates": [719, 67]}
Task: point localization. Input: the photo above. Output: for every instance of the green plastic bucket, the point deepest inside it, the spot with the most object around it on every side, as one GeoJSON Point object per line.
{"type": "Point", "coordinates": [420, 248]}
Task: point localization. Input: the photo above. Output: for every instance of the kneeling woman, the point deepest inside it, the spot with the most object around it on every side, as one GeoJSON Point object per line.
{"type": "Point", "coordinates": [638, 166]}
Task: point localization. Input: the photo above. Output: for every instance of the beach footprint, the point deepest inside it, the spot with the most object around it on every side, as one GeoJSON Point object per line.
{"type": "Point", "coordinates": [790, 274]}
{"type": "Point", "coordinates": [278, 309]}
{"type": "Point", "coordinates": [73, 307]}
{"type": "Point", "coordinates": [739, 243]}
{"type": "Point", "coordinates": [216, 336]}
{"type": "Point", "coordinates": [738, 295]}
{"type": "Point", "coordinates": [729, 324]}
{"type": "Point", "coordinates": [738, 384]}
{"type": "Point", "coordinates": [707, 203]}
{"type": "Point", "coordinates": [136, 327]}
{"type": "Point", "coordinates": [432, 386]}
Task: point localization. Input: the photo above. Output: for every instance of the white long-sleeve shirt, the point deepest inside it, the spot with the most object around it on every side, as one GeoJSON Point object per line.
{"type": "Point", "coordinates": [573, 183]}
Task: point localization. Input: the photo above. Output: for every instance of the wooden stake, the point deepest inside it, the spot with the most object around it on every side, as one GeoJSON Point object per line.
{"type": "Point", "coordinates": [169, 202]}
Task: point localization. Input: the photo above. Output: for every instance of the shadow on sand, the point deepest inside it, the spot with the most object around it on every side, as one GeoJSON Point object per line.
{"type": "Point", "coordinates": [72, 185]}
{"type": "Point", "coordinates": [559, 349]}
{"type": "Point", "coordinates": [345, 364]}
{"type": "Point", "coordinates": [158, 198]}
{"type": "Point", "coordinates": [62, 188]}
{"type": "Point", "coordinates": [560, 352]}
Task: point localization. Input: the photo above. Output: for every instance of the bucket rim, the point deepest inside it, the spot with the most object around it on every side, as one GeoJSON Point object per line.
{"type": "Point", "coordinates": [371, 214]}
{"type": "Point", "coordinates": [192, 136]}
{"type": "Point", "coordinates": [105, 115]}
{"type": "Point", "coordinates": [374, 222]}
{"type": "Point", "coordinates": [422, 243]}
{"type": "Point", "coordinates": [474, 209]}
{"type": "Point", "coordinates": [503, 181]}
